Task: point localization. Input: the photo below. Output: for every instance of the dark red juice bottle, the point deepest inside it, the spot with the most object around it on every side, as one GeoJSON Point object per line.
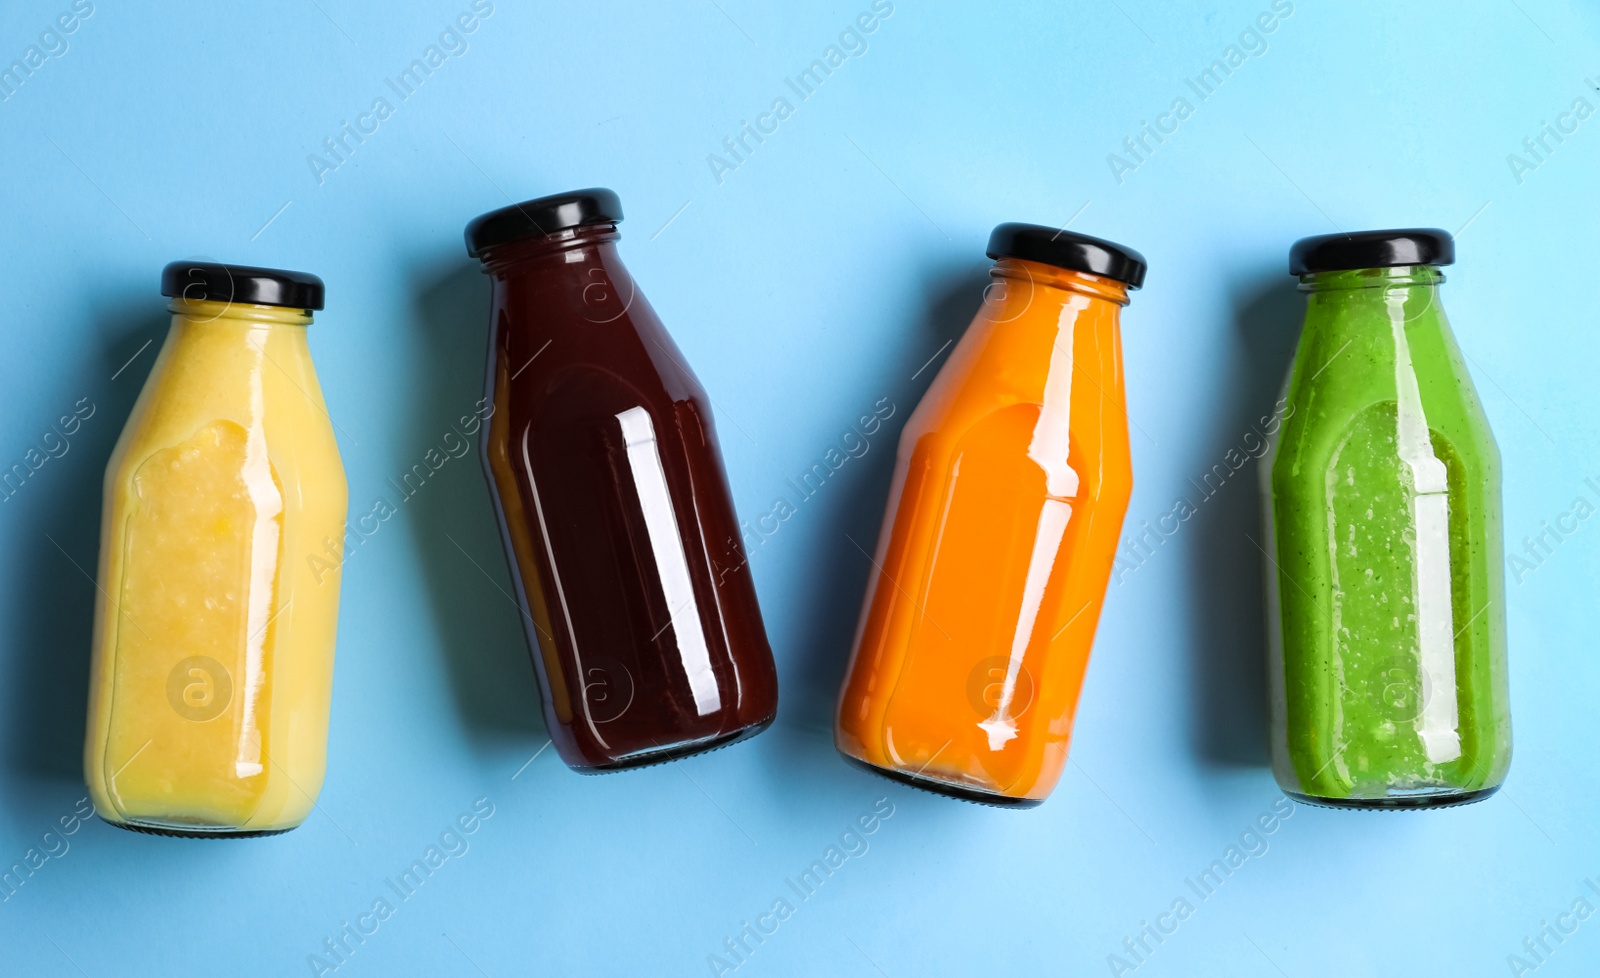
{"type": "Point", "coordinates": [613, 503]}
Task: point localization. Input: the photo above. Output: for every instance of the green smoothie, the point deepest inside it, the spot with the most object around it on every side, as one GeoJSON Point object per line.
{"type": "Point", "coordinates": [1386, 590]}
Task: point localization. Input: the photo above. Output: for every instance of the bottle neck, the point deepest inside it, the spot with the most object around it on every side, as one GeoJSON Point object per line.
{"type": "Point", "coordinates": [1374, 296]}
{"type": "Point", "coordinates": [1400, 277]}
{"type": "Point", "coordinates": [567, 246]}
{"type": "Point", "coordinates": [1018, 278]}
{"type": "Point", "coordinates": [190, 312]}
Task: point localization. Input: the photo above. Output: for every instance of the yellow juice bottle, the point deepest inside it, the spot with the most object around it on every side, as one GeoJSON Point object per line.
{"type": "Point", "coordinates": [218, 597]}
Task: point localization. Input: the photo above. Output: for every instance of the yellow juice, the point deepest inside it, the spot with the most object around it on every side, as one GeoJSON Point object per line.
{"type": "Point", "coordinates": [214, 629]}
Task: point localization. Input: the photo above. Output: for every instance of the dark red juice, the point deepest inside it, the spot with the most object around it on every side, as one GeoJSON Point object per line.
{"type": "Point", "coordinates": [613, 502]}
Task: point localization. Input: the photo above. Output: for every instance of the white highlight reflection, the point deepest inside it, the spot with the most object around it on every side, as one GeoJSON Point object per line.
{"type": "Point", "coordinates": [1048, 449]}
{"type": "Point", "coordinates": [650, 480]}
{"type": "Point", "coordinates": [1430, 586]}
{"type": "Point", "coordinates": [268, 505]}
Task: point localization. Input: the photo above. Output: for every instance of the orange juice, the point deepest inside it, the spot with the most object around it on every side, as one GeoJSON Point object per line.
{"type": "Point", "coordinates": [1012, 479]}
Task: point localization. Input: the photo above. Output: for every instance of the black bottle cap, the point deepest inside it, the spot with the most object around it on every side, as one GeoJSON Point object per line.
{"type": "Point", "coordinates": [541, 216]}
{"type": "Point", "coordinates": [1372, 249]}
{"type": "Point", "coordinates": [214, 281]}
{"type": "Point", "coordinates": [1064, 249]}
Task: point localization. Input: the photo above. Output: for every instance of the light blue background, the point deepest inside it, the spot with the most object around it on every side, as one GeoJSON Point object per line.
{"type": "Point", "coordinates": [816, 279]}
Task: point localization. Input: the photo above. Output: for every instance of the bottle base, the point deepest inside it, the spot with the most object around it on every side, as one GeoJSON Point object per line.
{"type": "Point", "coordinates": [1398, 803]}
{"type": "Point", "coordinates": [177, 833]}
{"type": "Point", "coordinates": [679, 751]}
{"type": "Point", "coordinates": [934, 786]}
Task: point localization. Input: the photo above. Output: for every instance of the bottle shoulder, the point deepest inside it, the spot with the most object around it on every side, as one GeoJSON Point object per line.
{"type": "Point", "coordinates": [264, 386]}
{"type": "Point", "coordinates": [545, 352]}
{"type": "Point", "coordinates": [1352, 356]}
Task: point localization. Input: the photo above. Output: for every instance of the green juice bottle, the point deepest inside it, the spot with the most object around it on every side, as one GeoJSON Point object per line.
{"type": "Point", "coordinates": [1386, 594]}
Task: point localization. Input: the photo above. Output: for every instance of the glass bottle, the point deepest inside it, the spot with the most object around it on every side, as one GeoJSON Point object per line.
{"type": "Point", "coordinates": [1012, 479]}
{"type": "Point", "coordinates": [1386, 595]}
{"type": "Point", "coordinates": [618, 522]}
{"type": "Point", "coordinates": [214, 628]}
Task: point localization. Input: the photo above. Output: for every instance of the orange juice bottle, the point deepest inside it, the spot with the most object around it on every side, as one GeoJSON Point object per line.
{"type": "Point", "coordinates": [1009, 490]}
